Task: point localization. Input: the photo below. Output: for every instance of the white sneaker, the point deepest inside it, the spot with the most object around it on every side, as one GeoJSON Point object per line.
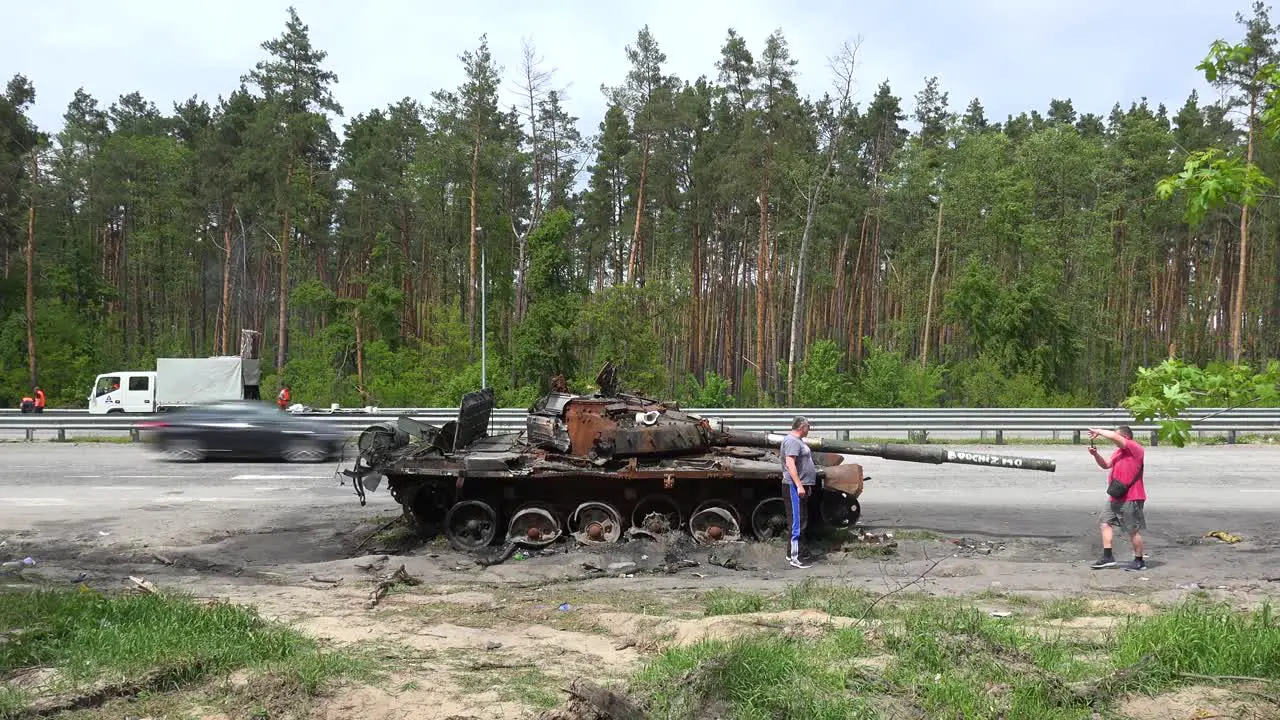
{"type": "Point", "coordinates": [795, 563]}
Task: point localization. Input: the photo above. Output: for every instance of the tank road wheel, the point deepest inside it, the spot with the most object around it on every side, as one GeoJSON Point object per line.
{"type": "Point", "coordinates": [471, 525]}
{"type": "Point", "coordinates": [723, 505]}
{"type": "Point", "coordinates": [657, 514]}
{"type": "Point", "coordinates": [426, 506]}
{"type": "Point", "coordinates": [769, 518]}
{"type": "Point", "coordinates": [534, 525]}
{"type": "Point", "coordinates": [839, 510]}
{"type": "Point", "coordinates": [714, 522]}
{"type": "Point", "coordinates": [596, 522]}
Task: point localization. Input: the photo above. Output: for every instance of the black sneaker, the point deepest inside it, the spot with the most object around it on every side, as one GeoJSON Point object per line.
{"type": "Point", "coordinates": [1136, 565]}
{"type": "Point", "coordinates": [1104, 562]}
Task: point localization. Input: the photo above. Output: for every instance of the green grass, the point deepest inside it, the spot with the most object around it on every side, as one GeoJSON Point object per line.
{"type": "Point", "coordinates": [809, 595]}
{"type": "Point", "coordinates": [949, 656]}
{"type": "Point", "coordinates": [1203, 639]}
{"type": "Point", "coordinates": [86, 636]}
{"type": "Point", "coordinates": [940, 658]}
{"type": "Point", "coordinates": [757, 678]}
{"type": "Point", "coordinates": [1065, 609]}
{"type": "Point", "coordinates": [529, 687]}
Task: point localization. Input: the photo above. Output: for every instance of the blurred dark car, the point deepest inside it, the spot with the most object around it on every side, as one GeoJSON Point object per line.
{"type": "Point", "coordinates": [242, 430]}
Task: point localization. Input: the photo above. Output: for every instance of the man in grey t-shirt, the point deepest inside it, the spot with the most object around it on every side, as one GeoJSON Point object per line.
{"type": "Point", "coordinates": [799, 476]}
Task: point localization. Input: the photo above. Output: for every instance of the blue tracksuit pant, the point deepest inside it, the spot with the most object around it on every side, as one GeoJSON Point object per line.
{"type": "Point", "coordinates": [797, 515]}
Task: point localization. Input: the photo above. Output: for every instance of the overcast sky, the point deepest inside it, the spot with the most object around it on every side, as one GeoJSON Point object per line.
{"type": "Point", "coordinates": [1015, 55]}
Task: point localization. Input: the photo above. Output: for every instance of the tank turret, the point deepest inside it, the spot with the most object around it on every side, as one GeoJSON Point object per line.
{"type": "Point", "coordinates": [609, 465]}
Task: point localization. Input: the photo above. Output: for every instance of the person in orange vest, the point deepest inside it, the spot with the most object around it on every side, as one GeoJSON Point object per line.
{"type": "Point", "coordinates": [40, 399]}
{"type": "Point", "coordinates": [27, 404]}
{"type": "Point", "coordinates": [282, 399]}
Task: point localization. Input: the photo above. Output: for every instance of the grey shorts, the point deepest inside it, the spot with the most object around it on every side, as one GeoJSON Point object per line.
{"type": "Point", "coordinates": [1128, 516]}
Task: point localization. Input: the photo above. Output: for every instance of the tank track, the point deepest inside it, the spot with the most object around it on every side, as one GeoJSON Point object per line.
{"type": "Point", "coordinates": [536, 513]}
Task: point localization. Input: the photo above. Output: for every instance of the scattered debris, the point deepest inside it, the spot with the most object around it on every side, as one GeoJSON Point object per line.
{"type": "Point", "coordinates": [325, 580]}
{"type": "Point", "coordinates": [1001, 614]}
{"type": "Point", "coordinates": [1189, 586]}
{"type": "Point", "coordinates": [588, 701]}
{"type": "Point", "coordinates": [1224, 536]}
{"type": "Point", "coordinates": [143, 585]}
{"type": "Point", "coordinates": [498, 557]}
{"type": "Point", "coordinates": [162, 559]}
{"type": "Point", "coordinates": [1093, 691]}
{"type": "Point", "coordinates": [101, 691]}
{"type": "Point", "coordinates": [730, 563]}
{"type": "Point", "coordinates": [377, 564]}
{"type": "Point", "coordinates": [379, 530]}
{"type": "Point", "coordinates": [399, 577]}
{"type": "Point", "coordinates": [498, 666]}
{"type": "Point", "coordinates": [672, 568]}
{"type": "Point", "coordinates": [16, 566]}
{"type": "Point", "coordinates": [491, 645]}
{"type": "Point", "coordinates": [977, 547]}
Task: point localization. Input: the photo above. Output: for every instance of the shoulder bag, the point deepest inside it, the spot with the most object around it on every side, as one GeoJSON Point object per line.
{"type": "Point", "coordinates": [1117, 489]}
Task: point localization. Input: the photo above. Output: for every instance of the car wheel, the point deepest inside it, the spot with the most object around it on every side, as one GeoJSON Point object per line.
{"type": "Point", "coordinates": [184, 451]}
{"type": "Point", "coordinates": [304, 451]}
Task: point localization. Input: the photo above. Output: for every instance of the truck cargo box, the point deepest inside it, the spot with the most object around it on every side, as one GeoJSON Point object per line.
{"type": "Point", "coordinates": [188, 381]}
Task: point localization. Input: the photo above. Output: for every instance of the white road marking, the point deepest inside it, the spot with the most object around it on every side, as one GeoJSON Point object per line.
{"type": "Point", "coordinates": [124, 487]}
{"type": "Point", "coordinates": [1262, 490]}
{"type": "Point", "coordinates": [38, 502]}
{"type": "Point", "coordinates": [280, 477]}
{"type": "Point", "coordinates": [84, 477]}
{"type": "Point", "coordinates": [147, 477]}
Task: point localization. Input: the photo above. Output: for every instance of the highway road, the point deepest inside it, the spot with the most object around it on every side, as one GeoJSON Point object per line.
{"type": "Point", "coordinates": [88, 503]}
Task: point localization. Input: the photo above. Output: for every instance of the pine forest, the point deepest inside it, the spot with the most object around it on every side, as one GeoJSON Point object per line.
{"type": "Point", "coordinates": [724, 240]}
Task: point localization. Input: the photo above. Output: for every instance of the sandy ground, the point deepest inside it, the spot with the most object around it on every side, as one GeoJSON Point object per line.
{"type": "Point", "coordinates": [261, 534]}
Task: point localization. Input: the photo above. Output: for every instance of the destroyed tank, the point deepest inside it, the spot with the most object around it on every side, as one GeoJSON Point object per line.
{"type": "Point", "coordinates": [611, 465]}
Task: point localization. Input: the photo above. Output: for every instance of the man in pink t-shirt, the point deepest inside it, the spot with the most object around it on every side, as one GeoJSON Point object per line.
{"type": "Point", "coordinates": [1126, 512]}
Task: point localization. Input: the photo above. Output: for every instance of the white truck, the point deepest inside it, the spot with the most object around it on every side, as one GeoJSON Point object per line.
{"type": "Point", "coordinates": [176, 382]}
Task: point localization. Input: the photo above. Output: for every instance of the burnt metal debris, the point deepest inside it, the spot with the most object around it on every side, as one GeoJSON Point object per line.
{"type": "Point", "coordinates": [609, 466]}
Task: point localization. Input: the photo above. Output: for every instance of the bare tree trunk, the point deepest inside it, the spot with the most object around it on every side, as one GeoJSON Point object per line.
{"type": "Point", "coordinates": [407, 324]}
{"type": "Point", "coordinates": [844, 66]}
{"type": "Point", "coordinates": [1237, 313]}
{"type": "Point", "coordinates": [635, 234]}
{"type": "Point", "coordinates": [762, 273]}
{"type": "Point", "coordinates": [695, 356]}
{"type": "Point", "coordinates": [471, 278]}
{"type": "Point", "coordinates": [933, 282]}
{"type": "Point", "coordinates": [31, 273]}
{"type": "Point", "coordinates": [282, 331]}
{"type": "Point", "coordinates": [225, 321]}
{"type": "Point", "coordinates": [364, 396]}
{"type": "Point", "coordinates": [522, 262]}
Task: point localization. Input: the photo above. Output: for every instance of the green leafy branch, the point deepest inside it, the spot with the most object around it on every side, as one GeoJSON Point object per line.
{"type": "Point", "coordinates": [1164, 392]}
{"type": "Point", "coordinates": [1211, 178]}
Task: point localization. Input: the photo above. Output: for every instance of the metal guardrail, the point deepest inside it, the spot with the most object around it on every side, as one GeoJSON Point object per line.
{"type": "Point", "coordinates": [917, 423]}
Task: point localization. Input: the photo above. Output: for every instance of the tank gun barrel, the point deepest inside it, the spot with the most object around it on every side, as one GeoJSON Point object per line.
{"type": "Point", "coordinates": [892, 451]}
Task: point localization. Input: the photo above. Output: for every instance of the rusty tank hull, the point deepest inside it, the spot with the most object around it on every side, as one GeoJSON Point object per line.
{"type": "Point", "coordinates": [609, 466]}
